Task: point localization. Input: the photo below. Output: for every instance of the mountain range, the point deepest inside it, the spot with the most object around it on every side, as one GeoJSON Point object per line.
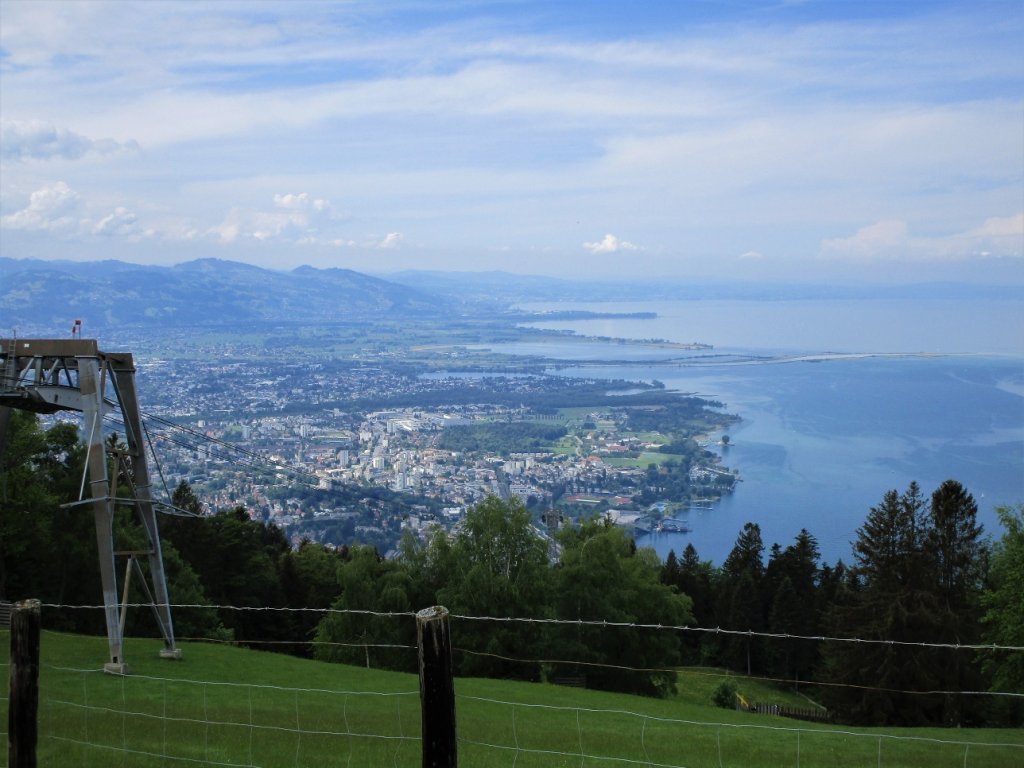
{"type": "Point", "coordinates": [37, 294]}
{"type": "Point", "coordinates": [40, 296]}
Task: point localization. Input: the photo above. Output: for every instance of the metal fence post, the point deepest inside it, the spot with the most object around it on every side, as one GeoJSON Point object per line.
{"type": "Point", "coordinates": [23, 701]}
{"type": "Point", "coordinates": [437, 688]}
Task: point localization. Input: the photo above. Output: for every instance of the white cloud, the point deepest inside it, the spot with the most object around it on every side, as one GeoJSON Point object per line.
{"type": "Point", "coordinates": [49, 208]}
{"type": "Point", "coordinates": [883, 238]}
{"type": "Point", "coordinates": [1000, 237]}
{"type": "Point", "coordinates": [295, 217]}
{"type": "Point", "coordinates": [40, 140]}
{"type": "Point", "coordinates": [751, 256]}
{"type": "Point", "coordinates": [391, 240]}
{"type": "Point", "coordinates": [610, 244]}
{"type": "Point", "coordinates": [706, 135]}
{"type": "Point", "coordinates": [121, 222]}
{"type": "Point", "coordinates": [996, 228]}
{"type": "Point", "coordinates": [301, 201]}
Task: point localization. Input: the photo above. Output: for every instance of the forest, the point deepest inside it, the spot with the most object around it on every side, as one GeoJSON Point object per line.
{"type": "Point", "coordinates": [924, 589]}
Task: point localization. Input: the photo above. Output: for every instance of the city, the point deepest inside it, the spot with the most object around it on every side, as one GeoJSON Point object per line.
{"type": "Point", "coordinates": [307, 447]}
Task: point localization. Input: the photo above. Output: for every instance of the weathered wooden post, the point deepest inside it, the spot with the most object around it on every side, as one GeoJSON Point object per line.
{"type": "Point", "coordinates": [437, 688]}
{"type": "Point", "coordinates": [23, 704]}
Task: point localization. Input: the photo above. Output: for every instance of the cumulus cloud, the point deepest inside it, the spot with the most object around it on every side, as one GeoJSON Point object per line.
{"type": "Point", "coordinates": [121, 222]}
{"type": "Point", "coordinates": [610, 244]}
{"type": "Point", "coordinates": [49, 208]}
{"type": "Point", "coordinates": [883, 238]}
{"type": "Point", "coordinates": [40, 140]}
{"type": "Point", "coordinates": [1000, 237]}
{"type": "Point", "coordinates": [59, 209]}
{"type": "Point", "coordinates": [295, 217]}
{"type": "Point", "coordinates": [391, 240]}
{"type": "Point", "coordinates": [301, 201]}
{"type": "Point", "coordinates": [996, 228]}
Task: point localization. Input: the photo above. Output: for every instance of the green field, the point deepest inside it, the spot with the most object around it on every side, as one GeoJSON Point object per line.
{"type": "Point", "coordinates": [229, 706]}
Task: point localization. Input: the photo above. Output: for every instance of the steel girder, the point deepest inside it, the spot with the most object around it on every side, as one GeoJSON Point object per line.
{"type": "Point", "coordinates": [50, 375]}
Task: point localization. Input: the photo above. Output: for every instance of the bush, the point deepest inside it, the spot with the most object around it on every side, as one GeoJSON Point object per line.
{"type": "Point", "coordinates": [725, 695]}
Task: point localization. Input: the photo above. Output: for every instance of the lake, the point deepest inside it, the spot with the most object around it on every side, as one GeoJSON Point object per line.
{"type": "Point", "coordinates": [821, 442]}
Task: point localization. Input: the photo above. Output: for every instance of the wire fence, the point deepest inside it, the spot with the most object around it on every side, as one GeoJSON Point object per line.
{"type": "Point", "coordinates": [227, 707]}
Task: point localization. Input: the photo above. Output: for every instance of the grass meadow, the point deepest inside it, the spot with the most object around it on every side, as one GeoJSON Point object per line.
{"type": "Point", "coordinates": [223, 705]}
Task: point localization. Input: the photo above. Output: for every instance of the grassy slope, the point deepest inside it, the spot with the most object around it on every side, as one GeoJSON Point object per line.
{"type": "Point", "coordinates": [225, 705]}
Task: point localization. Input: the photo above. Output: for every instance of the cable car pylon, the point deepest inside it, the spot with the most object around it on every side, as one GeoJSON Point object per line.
{"type": "Point", "coordinates": [51, 375]}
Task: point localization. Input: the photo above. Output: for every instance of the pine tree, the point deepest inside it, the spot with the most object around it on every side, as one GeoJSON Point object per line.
{"type": "Point", "coordinates": [696, 579]}
{"type": "Point", "coordinates": [898, 600]}
{"type": "Point", "coordinates": [959, 560]}
{"type": "Point", "coordinates": [740, 601]}
{"type": "Point", "coordinates": [791, 591]}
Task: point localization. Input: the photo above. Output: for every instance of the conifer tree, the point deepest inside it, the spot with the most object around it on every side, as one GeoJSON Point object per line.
{"type": "Point", "coordinates": [910, 574]}
{"type": "Point", "coordinates": [740, 600]}
{"type": "Point", "coordinates": [960, 559]}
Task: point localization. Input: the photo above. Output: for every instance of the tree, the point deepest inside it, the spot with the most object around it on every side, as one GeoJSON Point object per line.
{"type": "Point", "coordinates": [670, 571]}
{"type": "Point", "coordinates": [355, 632]}
{"type": "Point", "coordinates": [740, 603]}
{"type": "Point", "coordinates": [899, 599]}
{"type": "Point", "coordinates": [602, 576]}
{"type": "Point", "coordinates": [697, 580]}
{"type": "Point", "coordinates": [498, 567]}
{"type": "Point", "coordinates": [309, 579]}
{"type": "Point", "coordinates": [26, 504]}
{"type": "Point", "coordinates": [960, 554]}
{"type": "Point", "coordinates": [791, 585]}
{"type": "Point", "coordinates": [1003, 619]}
{"type": "Point", "coordinates": [238, 561]}
{"type": "Point", "coordinates": [960, 562]}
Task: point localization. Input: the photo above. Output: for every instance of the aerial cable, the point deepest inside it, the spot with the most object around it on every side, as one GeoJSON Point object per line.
{"type": "Point", "coordinates": [238, 449]}
{"type": "Point", "coordinates": [156, 460]}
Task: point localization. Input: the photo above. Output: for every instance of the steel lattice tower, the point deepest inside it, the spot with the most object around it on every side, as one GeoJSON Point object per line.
{"type": "Point", "coordinates": [50, 375]}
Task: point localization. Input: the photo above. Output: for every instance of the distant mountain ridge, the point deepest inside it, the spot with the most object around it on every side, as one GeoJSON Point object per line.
{"type": "Point", "coordinates": [40, 294]}
{"type": "Point", "coordinates": [506, 288]}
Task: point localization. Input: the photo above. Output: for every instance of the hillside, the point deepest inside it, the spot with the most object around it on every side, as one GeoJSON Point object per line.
{"type": "Point", "coordinates": [225, 705]}
{"type": "Point", "coordinates": [48, 295]}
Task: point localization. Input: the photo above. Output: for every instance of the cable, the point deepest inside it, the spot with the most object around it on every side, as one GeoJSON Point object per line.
{"type": "Point", "coordinates": [601, 665]}
{"type": "Point", "coordinates": [742, 633]}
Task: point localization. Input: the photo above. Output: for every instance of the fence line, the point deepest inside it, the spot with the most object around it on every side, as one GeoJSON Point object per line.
{"type": "Point", "coordinates": [135, 713]}
{"type": "Point", "coordinates": [206, 721]}
{"type": "Point", "coordinates": [739, 726]}
{"type": "Point", "coordinates": [585, 623]}
{"type": "Point", "coordinates": [732, 675]}
{"type": "Point", "coordinates": [574, 623]}
{"type": "Point", "coordinates": [159, 755]}
{"type": "Point", "coordinates": [228, 684]}
{"type": "Point", "coordinates": [117, 714]}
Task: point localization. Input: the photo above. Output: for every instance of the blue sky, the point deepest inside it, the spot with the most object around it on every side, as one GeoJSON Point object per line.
{"type": "Point", "coordinates": [756, 140]}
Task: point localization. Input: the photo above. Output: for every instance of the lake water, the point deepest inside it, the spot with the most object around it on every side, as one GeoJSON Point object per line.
{"type": "Point", "coordinates": [821, 442]}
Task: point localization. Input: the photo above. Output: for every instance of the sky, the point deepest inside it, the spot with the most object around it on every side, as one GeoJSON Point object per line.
{"type": "Point", "coordinates": [792, 141]}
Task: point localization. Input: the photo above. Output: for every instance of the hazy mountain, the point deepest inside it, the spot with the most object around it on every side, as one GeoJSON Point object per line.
{"type": "Point", "coordinates": [43, 294]}
{"type": "Point", "coordinates": [496, 287]}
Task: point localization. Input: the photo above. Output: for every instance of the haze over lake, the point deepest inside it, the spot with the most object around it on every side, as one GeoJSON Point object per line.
{"type": "Point", "coordinates": [821, 442]}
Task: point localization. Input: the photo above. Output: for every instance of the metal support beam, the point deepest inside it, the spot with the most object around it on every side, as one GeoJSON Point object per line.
{"type": "Point", "coordinates": [123, 369]}
{"type": "Point", "coordinates": [50, 375]}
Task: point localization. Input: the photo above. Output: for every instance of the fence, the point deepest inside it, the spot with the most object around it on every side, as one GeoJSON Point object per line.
{"type": "Point", "coordinates": [225, 706]}
{"type": "Point", "coordinates": [795, 713]}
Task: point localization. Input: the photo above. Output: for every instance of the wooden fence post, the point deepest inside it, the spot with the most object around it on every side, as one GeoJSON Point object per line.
{"type": "Point", "coordinates": [23, 701]}
{"type": "Point", "coordinates": [437, 688]}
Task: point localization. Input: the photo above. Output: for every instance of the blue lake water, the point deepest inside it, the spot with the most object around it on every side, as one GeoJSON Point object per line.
{"type": "Point", "coordinates": [820, 442]}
